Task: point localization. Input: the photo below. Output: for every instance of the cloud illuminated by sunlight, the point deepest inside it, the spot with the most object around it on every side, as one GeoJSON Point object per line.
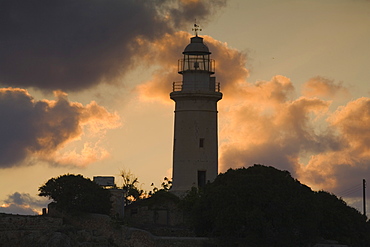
{"type": "Point", "coordinates": [323, 87]}
{"type": "Point", "coordinates": [90, 153]}
{"type": "Point", "coordinates": [270, 125]}
{"type": "Point", "coordinates": [352, 160]}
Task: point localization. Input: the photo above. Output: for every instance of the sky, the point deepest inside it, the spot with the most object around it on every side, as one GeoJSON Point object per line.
{"type": "Point", "coordinates": [84, 89]}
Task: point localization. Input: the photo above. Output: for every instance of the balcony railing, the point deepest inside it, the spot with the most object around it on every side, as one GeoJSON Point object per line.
{"type": "Point", "coordinates": [178, 86]}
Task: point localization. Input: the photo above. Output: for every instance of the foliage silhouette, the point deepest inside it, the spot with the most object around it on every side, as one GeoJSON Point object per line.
{"type": "Point", "coordinates": [74, 193]}
{"type": "Point", "coordinates": [130, 186]}
{"type": "Point", "coordinates": [267, 207]}
{"type": "Point", "coordinates": [166, 186]}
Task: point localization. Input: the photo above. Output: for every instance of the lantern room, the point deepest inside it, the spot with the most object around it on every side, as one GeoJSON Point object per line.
{"type": "Point", "coordinates": [196, 58]}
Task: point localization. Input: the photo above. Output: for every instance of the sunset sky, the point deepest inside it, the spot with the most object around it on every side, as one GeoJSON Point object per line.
{"type": "Point", "coordinates": [85, 90]}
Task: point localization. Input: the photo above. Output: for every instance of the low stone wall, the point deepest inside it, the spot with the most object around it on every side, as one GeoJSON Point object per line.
{"type": "Point", "coordinates": [87, 230]}
{"type": "Point", "coordinates": [20, 230]}
{"type": "Point", "coordinates": [25, 222]}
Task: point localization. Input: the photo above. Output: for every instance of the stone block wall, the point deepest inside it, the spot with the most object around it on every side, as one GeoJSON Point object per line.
{"type": "Point", "coordinates": [87, 230]}
{"type": "Point", "coordinates": [26, 222]}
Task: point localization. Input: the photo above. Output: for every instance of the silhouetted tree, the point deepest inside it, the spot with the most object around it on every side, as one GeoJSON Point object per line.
{"type": "Point", "coordinates": [130, 186]}
{"type": "Point", "coordinates": [74, 193]}
{"type": "Point", "coordinates": [267, 207]}
{"type": "Point", "coordinates": [166, 186]}
{"type": "Point", "coordinates": [340, 222]}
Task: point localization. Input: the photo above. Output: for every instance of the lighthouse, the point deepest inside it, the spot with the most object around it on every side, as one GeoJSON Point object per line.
{"type": "Point", "coordinates": [195, 145]}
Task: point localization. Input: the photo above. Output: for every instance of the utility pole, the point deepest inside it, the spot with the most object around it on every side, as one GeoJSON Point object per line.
{"type": "Point", "coordinates": [364, 195]}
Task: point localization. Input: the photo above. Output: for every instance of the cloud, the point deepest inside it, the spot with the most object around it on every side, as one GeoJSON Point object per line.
{"type": "Point", "coordinates": [269, 127]}
{"type": "Point", "coordinates": [323, 87]}
{"type": "Point", "coordinates": [165, 52]}
{"type": "Point", "coordinates": [23, 203]}
{"type": "Point", "coordinates": [346, 166]}
{"type": "Point", "coordinates": [41, 129]}
{"type": "Point", "coordinates": [74, 45]}
{"type": "Point", "coordinates": [266, 123]}
{"type": "Point", "coordinates": [189, 10]}
{"type": "Point", "coordinates": [352, 121]}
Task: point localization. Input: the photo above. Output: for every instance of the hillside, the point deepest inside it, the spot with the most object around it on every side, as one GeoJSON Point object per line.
{"type": "Point", "coordinates": [267, 207]}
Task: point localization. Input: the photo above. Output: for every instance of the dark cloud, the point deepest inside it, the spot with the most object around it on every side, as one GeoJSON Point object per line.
{"type": "Point", "coordinates": [23, 203]}
{"type": "Point", "coordinates": [17, 209]}
{"type": "Point", "coordinates": [40, 128]}
{"type": "Point", "coordinates": [24, 199]}
{"type": "Point", "coordinates": [189, 10]}
{"type": "Point", "coordinates": [73, 45]}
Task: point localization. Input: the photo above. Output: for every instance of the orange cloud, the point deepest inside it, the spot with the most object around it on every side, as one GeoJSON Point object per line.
{"type": "Point", "coordinates": [322, 87]}
{"type": "Point", "coordinates": [41, 129]}
{"type": "Point", "coordinates": [164, 53]}
{"type": "Point", "coordinates": [341, 168]}
{"type": "Point", "coordinates": [267, 123]}
{"type": "Point", "coordinates": [90, 153]}
{"type": "Point", "coordinates": [231, 68]}
{"type": "Point", "coordinates": [353, 123]}
{"type": "Point", "coordinates": [267, 127]}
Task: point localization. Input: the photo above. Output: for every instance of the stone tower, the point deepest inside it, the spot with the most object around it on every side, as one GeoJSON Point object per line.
{"type": "Point", "coordinates": [195, 149]}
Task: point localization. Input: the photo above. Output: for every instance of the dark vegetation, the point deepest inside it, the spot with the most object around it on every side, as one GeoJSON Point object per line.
{"type": "Point", "coordinates": [255, 206]}
{"type": "Point", "coordinates": [263, 206]}
{"type": "Point", "coordinates": [133, 192]}
{"type": "Point", "coordinates": [130, 185]}
{"type": "Point", "coordinates": [75, 194]}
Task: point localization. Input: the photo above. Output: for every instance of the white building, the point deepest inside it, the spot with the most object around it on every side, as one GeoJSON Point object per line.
{"type": "Point", "coordinates": [117, 195]}
{"type": "Point", "coordinates": [195, 149]}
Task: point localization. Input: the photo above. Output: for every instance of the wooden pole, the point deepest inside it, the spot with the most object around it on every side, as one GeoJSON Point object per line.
{"type": "Point", "coordinates": [364, 195]}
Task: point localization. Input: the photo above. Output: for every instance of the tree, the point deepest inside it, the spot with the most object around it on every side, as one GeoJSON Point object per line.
{"type": "Point", "coordinates": [74, 193]}
{"type": "Point", "coordinates": [130, 185]}
{"type": "Point", "coordinates": [166, 186]}
{"type": "Point", "coordinates": [267, 207]}
{"type": "Point", "coordinates": [341, 222]}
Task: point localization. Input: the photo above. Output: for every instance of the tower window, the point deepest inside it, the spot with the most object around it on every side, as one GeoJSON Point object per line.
{"type": "Point", "coordinates": [201, 179]}
{"type": "Point", "coordinates": [201, 142]}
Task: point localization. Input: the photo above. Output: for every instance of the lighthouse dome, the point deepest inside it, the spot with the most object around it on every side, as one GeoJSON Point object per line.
{"type": "Point", "coordinates": [196, 46]}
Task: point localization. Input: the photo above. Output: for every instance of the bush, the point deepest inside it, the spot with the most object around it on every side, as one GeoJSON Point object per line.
{"type": "Point", "coordinates": [74, 193]}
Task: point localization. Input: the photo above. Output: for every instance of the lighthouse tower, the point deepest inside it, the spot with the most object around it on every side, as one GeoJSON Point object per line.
{"type": "Point", "coordinates": [195, 148]}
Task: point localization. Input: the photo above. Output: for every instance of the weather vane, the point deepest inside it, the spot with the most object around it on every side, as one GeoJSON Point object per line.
{"type": "Point", "coordinates": [196, 28]}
